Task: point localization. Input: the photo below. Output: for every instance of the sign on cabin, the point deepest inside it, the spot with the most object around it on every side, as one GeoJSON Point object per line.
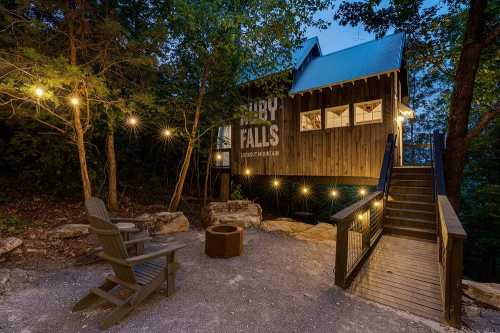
{"type": "Point", "coordinates": [260, 133]}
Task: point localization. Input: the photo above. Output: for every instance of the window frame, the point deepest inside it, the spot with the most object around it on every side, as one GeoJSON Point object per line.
{"type": "Point", "coordinates": [378, 121]}
{"type": "Point", "coordinates": [309, 112]}
{"type": "Point", "coordinates": [347, 109]}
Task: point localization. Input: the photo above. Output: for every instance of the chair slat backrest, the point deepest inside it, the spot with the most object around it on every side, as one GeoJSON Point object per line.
{"type": "Point", "coordinates": [109, 236]}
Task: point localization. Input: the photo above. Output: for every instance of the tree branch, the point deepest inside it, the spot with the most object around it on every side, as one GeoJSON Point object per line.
{"type": "Point", "coordinates": [483, 122]}
{"type": "Point", "coordinates": [492, 36]}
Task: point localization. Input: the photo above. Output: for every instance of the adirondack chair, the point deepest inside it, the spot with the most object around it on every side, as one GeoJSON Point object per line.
{"type": "Point", "coordinates": [140, 275]}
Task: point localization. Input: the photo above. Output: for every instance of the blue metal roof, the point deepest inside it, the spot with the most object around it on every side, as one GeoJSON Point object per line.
{"type": "Point", "coordinates": [298, 57]}
{"type": "Point", "coordinates": [360, 61]}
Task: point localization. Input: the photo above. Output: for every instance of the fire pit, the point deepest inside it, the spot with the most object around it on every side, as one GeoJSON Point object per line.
{"type": "Point", "coordinates": [224, 241]}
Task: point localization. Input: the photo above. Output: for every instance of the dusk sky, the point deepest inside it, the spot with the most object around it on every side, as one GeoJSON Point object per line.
{"type": "Point", "coordinates": [337, 37]}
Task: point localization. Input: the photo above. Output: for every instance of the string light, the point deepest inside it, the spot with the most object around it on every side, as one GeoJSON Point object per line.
{"type": "Point", "coordinates": [74, 101]}
{"type": "Point", "coordinates": [39, 92]}
{"type": "Point", "coordinates": [133, 121]}
{"type": "Point", "coordinates": [167, 133]}
{"type": "Point", "coordinates": [362, 192]}
{"type": "Point", "coordinates": [334, 193]}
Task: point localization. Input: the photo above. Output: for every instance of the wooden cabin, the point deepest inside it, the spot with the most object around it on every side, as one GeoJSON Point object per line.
{"type": "Point", "coordinates": [333, 123]}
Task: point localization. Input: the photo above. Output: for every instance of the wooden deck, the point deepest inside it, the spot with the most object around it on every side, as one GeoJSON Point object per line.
{"type": "Point", "coordinates": [402, 273]}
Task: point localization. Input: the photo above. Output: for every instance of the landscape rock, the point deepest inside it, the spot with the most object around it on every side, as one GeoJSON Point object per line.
{"type": "Point", "coordinates": [242, 213]}
{"type": "Point", "coordinates": [487, 293]}
{"type": "Point", "coordinates": [321, 233]}
{"type": "Point", "coordinates": [163, 223]}
{"type": "Point", "coordinates": [69, 231]}
{"type": "Point", "coordinates": [324, 233]}
{"type": "Point", "coordinates": [9, 244]}
{"type": "Point", "coordinates": [287, 226]}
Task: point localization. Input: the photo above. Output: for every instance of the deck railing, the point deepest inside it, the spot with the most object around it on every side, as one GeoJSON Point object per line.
{"type": "Point", "coordinates": [359, 225]}
{"type": "Point", "coordinates": [451, 236]}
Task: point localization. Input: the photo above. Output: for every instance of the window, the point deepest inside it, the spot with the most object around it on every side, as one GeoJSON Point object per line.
{"type": "Point", "coordinates": [224, 137]}
{"type": "Point", "coordinates": [337, 116]}
{"type": "Point", "coordinates": [310, 120]}
{"type": "Point", "coordinates": [368, 112]}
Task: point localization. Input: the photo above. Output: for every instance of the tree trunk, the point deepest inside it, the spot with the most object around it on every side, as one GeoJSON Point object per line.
{"type": "Point", "coordinates": [111, 157]}
{"type": "Point", "coordinates": [461, 100]}
{"type": "Point", "coordinates": [179, 186]}
{"type": "Point", "coordinates": [208, 169]}
{"type": "Point", "coordinates": [80, 143]}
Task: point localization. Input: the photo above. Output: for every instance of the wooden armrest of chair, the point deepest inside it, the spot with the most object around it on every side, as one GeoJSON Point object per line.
{"type": "Point", "coordinates": [127, 219]}
{"type": "Point", "coordinates": [118, 261]}
{"type": "Point", "coordinates": [130, 242]}
{"type": "Point", "coordinates": [153, 255]}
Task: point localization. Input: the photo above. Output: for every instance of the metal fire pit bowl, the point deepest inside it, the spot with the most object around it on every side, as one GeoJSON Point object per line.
{"type": "Point", "coordinates": [223, 241]}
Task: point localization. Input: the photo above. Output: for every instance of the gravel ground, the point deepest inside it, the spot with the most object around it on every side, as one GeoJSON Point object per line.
{"type": "Point", "coordinates": [279, 285]}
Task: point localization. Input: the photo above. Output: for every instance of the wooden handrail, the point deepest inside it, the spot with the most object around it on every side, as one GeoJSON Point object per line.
{"type": "Point", "coordinates": [451, 236]}
{"type": "Point", "coordinates": [387, 162]}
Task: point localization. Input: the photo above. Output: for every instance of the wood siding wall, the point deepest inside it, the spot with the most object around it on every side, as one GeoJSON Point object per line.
{"type": "Point", "coordinates": [348, 152]}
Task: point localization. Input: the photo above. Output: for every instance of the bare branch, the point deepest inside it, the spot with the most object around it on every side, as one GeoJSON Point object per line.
{"type": "Point", "coordinates": [482, 124]}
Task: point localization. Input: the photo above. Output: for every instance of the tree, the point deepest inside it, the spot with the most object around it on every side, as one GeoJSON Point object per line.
{"type": "Point", "coordinates": [441, 44]}
{"type": "Point", "coordinates": [96, 52]}
{"type": "Point", "coordinates": [212, 46]}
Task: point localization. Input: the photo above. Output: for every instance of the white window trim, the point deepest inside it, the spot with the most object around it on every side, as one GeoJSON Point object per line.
{"type": "Point", "coordinates": [337, 108]}
{"type": "Point", "coordinates": [308, 112]}
{"type": "Point", "coordinates": [378, 121]}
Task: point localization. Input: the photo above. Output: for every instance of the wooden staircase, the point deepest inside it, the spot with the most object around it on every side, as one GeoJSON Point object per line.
{"type": "Point", "coordinates": [410, 209]}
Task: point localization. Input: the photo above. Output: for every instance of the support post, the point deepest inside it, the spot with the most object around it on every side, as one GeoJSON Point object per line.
{"type": "Point", "coordinates": [225, 184]}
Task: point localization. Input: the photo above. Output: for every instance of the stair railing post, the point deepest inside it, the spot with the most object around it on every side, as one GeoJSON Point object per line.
{"type": "Point", "coordinates": [341, 254]}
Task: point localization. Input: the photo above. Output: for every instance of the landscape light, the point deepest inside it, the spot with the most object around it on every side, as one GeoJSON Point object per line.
{"type": "Point", "coordinates": [334, 193]}
{"type": "Point", "coordinates": [74, 101]}
{"type": "Point", "coordinates": [362, 192]}
{"type": "Point", "coordinates": [39, 92]}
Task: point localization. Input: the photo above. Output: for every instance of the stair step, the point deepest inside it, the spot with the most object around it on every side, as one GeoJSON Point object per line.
{"type": "Point", "coordinates": [411, 213]}
{"type": "Point", "coordinates": [416, 205]}
{"type": "Point", "coordinates": [411, 232]}
{"type": "Point", "coordinates": [410, 176]}
{"type": "Point", "coordinates": [410, 222]}
{"type": "Point", "coordinates": [409, 169]}
{"type": "Point", "coordinates": [410, 190]}
{"type": "Point", "coordinates": [412, 182]}
{"type": "Point", "coordinates": [411, 197]}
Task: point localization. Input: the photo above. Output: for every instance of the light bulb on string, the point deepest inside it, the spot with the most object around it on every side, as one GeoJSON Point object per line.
{"type": "Point", "coordinates": [39, 92]}
{"type": "Point", "coordinates": [74, 100]}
